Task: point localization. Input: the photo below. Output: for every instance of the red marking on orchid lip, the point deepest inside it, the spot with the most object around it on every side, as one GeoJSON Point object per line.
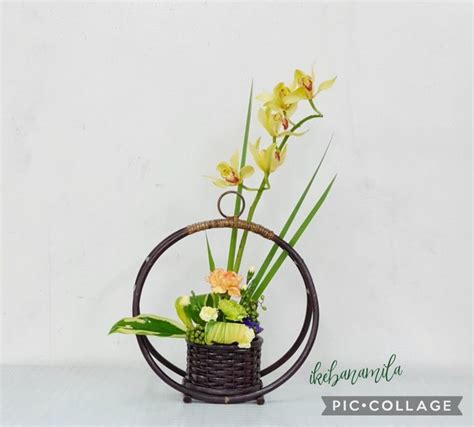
{"type": "Point", "coordinates": [285, 123]}
{"type": "Point", "coordinates": [233, 179]}
{"type": "Point", "coordinates": [308, 86]}
{"type": "Point", "coordinates": [277, 155]}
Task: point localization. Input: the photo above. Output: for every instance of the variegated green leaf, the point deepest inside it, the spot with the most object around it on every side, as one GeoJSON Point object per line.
{"type": "Point", "coordinates": [149, 324]}
{"type": "Point", "coordinates": [183, 310]}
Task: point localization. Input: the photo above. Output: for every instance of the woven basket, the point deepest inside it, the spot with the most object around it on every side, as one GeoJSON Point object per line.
{"type": "Point", "coordinates": [223, 370]}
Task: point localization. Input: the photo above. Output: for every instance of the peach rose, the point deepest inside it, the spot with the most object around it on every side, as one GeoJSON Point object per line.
{"type": "Point", "coordinates": [223, 281]}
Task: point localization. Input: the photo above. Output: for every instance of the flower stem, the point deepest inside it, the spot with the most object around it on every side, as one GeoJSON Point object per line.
{"type": "Point", "coordinates": [297, 125]}
{"type": "Point", "coordinates": [243, 239]}
{"type": "Point", "coordinates": [249, 188]}
{"type": "Point", "coordinates": [311, 102]}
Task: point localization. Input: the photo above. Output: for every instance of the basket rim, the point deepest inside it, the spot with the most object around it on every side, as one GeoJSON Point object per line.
{"type": "Point", "coordinates": [257, 341]}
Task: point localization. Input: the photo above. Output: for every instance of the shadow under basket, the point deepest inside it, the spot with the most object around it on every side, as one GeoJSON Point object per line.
{"type": "Point", "coordinates": [223, 369]}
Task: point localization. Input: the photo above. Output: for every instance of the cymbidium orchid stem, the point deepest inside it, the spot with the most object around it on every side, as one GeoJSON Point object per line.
{"type": "Point", "coordinates": [267, 183]}
{"type": "Point", "coordinates": [296, 126]}
{"type": "Point", "coordinates": [243, 239]}
{"type": "Point", "coordinates": [267, 187]}
{"type": "Point", "coordinates": [249, 188]}
{"type": "Point", "coordinates": [311, 102]}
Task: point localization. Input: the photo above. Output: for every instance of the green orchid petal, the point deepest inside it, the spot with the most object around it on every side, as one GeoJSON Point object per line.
{"type": "Point", "coordinates": [234, 161]}
{"type": "Point", "coordinates": [246, 172]}
{"type": "Point", "coordinates": [296, 96]}
{"type": "Point", "coordinates": [327, 84]}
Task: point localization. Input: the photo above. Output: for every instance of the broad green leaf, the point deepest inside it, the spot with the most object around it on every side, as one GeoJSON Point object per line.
{"type": "Point", "coordinates": [149, 324]}
{"type": "Point", "coordinates": [287, 225]}
{"type": "Point", "coordinates": [212, 264]}
{"type": "Point", "coordinates": [327, 84]}
{"type": "Point", "coordinates": [197, 302]}
{"type": "Point", "coordinates": [243, 159]}
{"type": "Point", "coordinates": [182, 310]}
{"type": "Point", "coordinates": [301, 229]}
{"type": "Point", "coordinates": [228, 333]}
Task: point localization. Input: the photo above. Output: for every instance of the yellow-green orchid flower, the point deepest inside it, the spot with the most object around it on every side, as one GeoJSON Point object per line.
{"type": "Point", "coordinates": [276, 100]}
{"type": "Point", "coordinates": [274, 121]}
{"type": "Point", "coordinates": [303, 87]}
{"type": "Point", "coordinates": [267, 159]}
{"type": "Point", "coordinates": [230, 173]}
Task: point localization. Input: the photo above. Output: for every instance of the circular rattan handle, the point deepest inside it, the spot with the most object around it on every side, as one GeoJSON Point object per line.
{"type": "Point", "coordinates": [239, 196]}
{"type": "Point", "coordinates": [310, 322]}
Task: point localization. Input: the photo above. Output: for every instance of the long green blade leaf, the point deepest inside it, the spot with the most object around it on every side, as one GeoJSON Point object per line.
{"type": "Point", "coordinates": [243, 239]}
{"type": "Point", "coordinates": [301, 229]}
{"type": "Point", "coordinates": [243, 159]}
{"type": "Point", "coordinates": [212, 264]}
{"type": "Point", "coordinates": [287, 225]}
{"type": "Point", "coordinates": [149, 324]}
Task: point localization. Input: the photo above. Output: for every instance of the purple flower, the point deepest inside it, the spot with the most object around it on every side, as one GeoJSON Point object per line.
{"type": "Point", "coordinates": [254, 325]}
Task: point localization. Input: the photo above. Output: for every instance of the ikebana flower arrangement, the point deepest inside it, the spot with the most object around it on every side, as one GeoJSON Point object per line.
{"type": "Point", "coordinates": [227, 312]}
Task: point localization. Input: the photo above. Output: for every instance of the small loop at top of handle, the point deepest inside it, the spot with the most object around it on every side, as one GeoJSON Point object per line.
{"type": "Point", "coordinates": [219, 200]}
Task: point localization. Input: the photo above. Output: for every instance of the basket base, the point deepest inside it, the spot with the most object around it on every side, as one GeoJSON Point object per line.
{"type": "Point", "coordinates": [188, 399]}
{"type": "Point", "coordinates": [203, 391]}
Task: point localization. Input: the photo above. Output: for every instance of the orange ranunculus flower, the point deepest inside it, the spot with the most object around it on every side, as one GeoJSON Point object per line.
{"type": "Point", "coordinates": [223, 281]}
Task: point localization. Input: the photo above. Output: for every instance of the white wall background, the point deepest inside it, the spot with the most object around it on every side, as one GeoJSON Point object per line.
{"type": "Point", "coordinates": [113, 112]}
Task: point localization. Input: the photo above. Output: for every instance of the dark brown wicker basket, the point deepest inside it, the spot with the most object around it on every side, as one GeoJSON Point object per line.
{"type": "Point", "coordinates": [224, 370]}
